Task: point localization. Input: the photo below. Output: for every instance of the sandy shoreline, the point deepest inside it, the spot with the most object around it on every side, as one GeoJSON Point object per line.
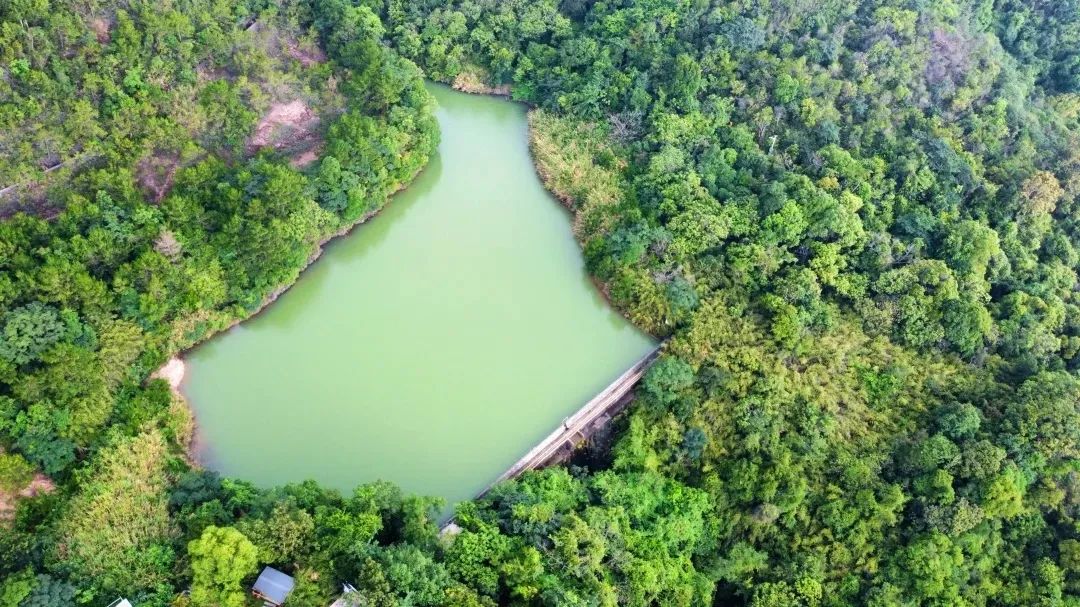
{"type": "Point", "coordinates": [172, 372]}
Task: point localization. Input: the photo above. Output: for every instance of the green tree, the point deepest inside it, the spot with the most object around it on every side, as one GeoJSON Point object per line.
{"type": "Point", "coordinates": [282, 537]}
{"type": "Point", "coordinates": [667, 378]}
{"type": "Point", "coordinates": [116, 533]}
{"type": "Point", "coordinates": [16, 587]}
{"type": "Point", "coordinates": [220, 560]}
{"type": "Point", "coordinates": [15, 472]}
{"type": "Point", "coordinates": [50, 592]}
{"type": "Point", "coordinates": [29, 331]}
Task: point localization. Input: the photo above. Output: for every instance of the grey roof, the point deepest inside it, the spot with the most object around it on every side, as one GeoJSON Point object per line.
{"type": "Point", "coordinates": [346, 599]}
{"type": "Point", "coordinates": [273, 585]}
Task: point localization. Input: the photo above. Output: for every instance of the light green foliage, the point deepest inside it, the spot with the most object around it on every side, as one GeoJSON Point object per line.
{"type": "Point", "coordinates": [74, 383]}
{"type": "Point", "coordinates": [578, 165]}
{"type": "Point", "coordinates": [16, 587]}
{"type": "Point", "coordinates": [121, 342]}
{"type": "Point", "coordinates": [117, 534]}
{"type": "Point", "coordinates": [474, 557]}
{"type": "Point", "coordinates": [283, 536]}
{"type": "Point", "coordinates": [806, 593]}
{"type": "Point", "coordinates": [15, 472]}
{"type": "Point", "coordinates": [309, 590]}
{"type": "Point", "coordinates": [220, 560]}
{"type": "Point", "coordinates": [857, 221]}
{"type": "Point", "coordinates": [162, 229]}
{"type": "Point", "coordinates": [627, 542]}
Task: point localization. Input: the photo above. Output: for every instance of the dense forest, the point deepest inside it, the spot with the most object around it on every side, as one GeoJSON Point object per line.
{"type": "Point", "coordinates": [857, 222]}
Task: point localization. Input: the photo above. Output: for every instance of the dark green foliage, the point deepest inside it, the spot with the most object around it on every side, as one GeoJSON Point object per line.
{"type": "Point", "coordinates": [553, 538]}
{"type": "Point", "coordinates": [863, 196]}
{"type": "Point", "coordinates": [130, 271]}
{"type": "Point", "coordinates": [50, 592]}
{"type": "Point", "coordinates": [195, 487]}
{"type": "Point", "coordinates": [233, 120]}
{"type": "Point", "coordinates": [804, 185]}
{"type": "Point", "coordinates": [1044, 36]}
{"type": "Point", "coordinates": [28, 331]}
{"type": "Point", "coordinates": [667, 378]}
{"type": "Point", "coordinates": [857, 222]}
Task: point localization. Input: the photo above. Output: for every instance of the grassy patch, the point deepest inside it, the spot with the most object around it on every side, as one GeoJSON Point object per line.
{"type": "Point", "coordinates": [476, 80]}
{"type": "Point", "coordinates": [579, 166]}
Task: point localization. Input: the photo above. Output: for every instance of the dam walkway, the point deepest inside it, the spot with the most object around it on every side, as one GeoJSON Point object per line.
{"type": "Point", "coordinates": [574, 430]}
{"type": "Point", "coordinates": [558, 446]}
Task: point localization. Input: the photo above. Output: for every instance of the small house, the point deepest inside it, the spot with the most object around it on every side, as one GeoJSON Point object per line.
{"type": "Point", "coordinates": [273, 586]}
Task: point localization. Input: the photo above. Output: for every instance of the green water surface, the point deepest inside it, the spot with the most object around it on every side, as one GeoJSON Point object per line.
{"type": "Point", "coordinates": [433, 346]}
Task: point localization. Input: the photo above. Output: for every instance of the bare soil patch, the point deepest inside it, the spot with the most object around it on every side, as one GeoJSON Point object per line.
{"type": "Point", "coordinates": [172, 372]}
{"type": "Point", "coordinates": [156, 173]}
{"type": "Point", "coordinates": [101, 29]}
{"type": "Point", "coordinates": [282, 119]}
{"type": "Point", "coordinates": [307, 54]}
{"type": "Point", "coordinates": [37, 197]}
{"type": "Point", "coordinates": [290, 127]}
{"type": "Point", "coordinates": [305, 158]}
{"type": "Point", "coordinates": [282, 44]}
{"type": "Point", "coordinates": [41, 484]}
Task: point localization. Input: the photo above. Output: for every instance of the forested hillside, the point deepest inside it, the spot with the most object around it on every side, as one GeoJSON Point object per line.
{"type": "Point", "coordinates": [856, 221]}
{"type": "Point", "coordinates": [119, 270]}
{"type": "Point", "coordinates": [132, 86]}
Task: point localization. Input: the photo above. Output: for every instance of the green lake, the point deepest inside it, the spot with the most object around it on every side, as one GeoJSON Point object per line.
{"type": "Point", "coordinates": [431, 347]}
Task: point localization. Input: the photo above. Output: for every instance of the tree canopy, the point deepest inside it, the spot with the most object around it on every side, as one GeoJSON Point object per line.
{"type": "Point", "coordinates": [855, 222]}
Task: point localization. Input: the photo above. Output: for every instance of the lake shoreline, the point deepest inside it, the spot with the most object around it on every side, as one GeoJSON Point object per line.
{"type": "Point", "coordinates": [502, 92]}
{"type": "Point", "coordinates": [465, 257]}
{"type": "Point", "coordinates": [176, 364]}
{"type": "Point", "coordinates": [568, 202]}
{"type": "Point", "coordinates": [174, 370]}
